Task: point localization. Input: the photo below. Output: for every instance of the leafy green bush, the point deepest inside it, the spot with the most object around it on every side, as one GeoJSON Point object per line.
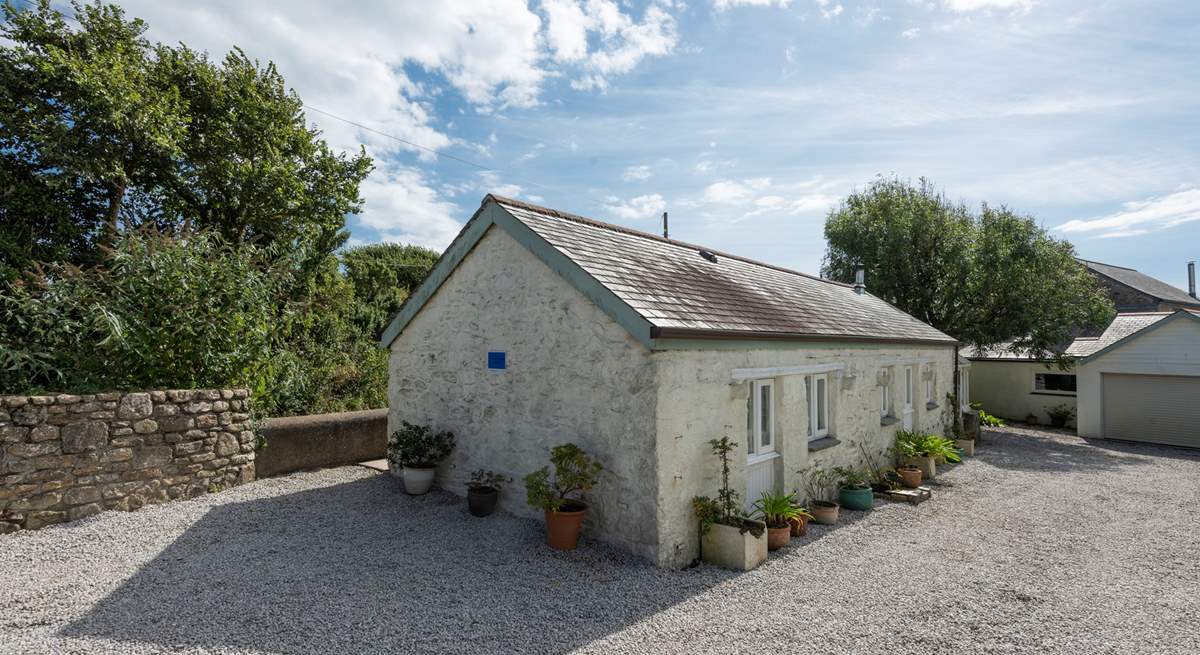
{"type": "Point", "coordinates": [986, 419]}
{"type": "Point", "coordinates": [418, 446]}
{"type": "Point", "coordinates": [777, 509]}
{"type": "Point", "coordinates": [163, 312]}
{"type": "Point", "coordinates": [575, 473]}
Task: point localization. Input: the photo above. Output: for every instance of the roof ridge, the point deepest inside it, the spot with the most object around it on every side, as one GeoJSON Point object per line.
{"type": "Point", "coordinates": [1092, 261]}
{"type": "Point", "coordinates": [647, 235]}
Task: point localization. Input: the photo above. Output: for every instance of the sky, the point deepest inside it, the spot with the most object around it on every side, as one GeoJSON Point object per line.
{"type": "Point", "coordinates": [747, 120]}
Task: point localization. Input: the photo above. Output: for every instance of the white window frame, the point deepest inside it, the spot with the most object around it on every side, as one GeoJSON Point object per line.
{"type": "Point", "coordinates": [756, 449]}
{"type": "Point", "coordinates": [964, 389]}
{"type": "Point", "coordinates": [1051, 392]}
{"type": "Point", "coordinates": [811, 394]}
{"type": "Point", "coordinates": [885, 401]}
{"type": "Point", "coordinates": [930, 388]}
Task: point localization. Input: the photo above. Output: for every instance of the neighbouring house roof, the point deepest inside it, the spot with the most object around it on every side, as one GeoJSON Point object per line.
{"type": "Point", "coordinates": [1142, 282]}
{"type": "Point", "coordinates": [1124, 327]}
{"type": "Point", "coordinates": [666, 289]}
{"type": "Point", "coordinates": [1000, 352]}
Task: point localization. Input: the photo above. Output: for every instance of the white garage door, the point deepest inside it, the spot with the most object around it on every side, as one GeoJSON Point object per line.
{"type": "Point", "coordinates": [1154, 408]}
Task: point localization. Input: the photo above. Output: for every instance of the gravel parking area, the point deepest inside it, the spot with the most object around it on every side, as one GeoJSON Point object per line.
{"type": "Point", "coordinates": [1042, 543]}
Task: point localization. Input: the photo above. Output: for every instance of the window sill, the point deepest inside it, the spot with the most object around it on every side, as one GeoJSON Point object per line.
{"type": "Point", "coordinates": [931, 405]}
{"type": "Point", "coordinates": [822, 444]}
{"type": "Point", "coordinates": [1068, 394]}
{"type": "Point", "coordinates": [758, 459]}
{"type": "Point", "coordinates": [889, 420]}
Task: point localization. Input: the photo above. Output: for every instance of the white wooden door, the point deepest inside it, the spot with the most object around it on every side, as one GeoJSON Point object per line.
{"type": "Point", "coordinates": [761, 454]}
{"type": "Point", "coordinates": [908, 397]}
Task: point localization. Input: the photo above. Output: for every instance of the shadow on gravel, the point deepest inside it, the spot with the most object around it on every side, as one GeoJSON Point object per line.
{"type": "Point", "coordinates": [362, 568]}
{"type": "Point", "coordinates": [1139, 448]}
{"type": "Point", "coordinates": [1030, 452]}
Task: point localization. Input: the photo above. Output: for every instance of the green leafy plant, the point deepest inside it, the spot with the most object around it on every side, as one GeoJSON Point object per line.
{"type": "Point", "coordinates": [1061, 414]}
{"type": "Point", "coordinates": [484, 479]}
{"type": "Point", "coordinates": [575, 473]}
{"type": "Point", "coordinates": [418, 446]}
{"type": "Point", "coordinates": [851, 478]}
{"type": "Point", "coordinates": [776, 509]}
{"type": "Point", "coordinates": [986, 419]}
{"type": "Point", "coordinates": [932, 445]}
{"type": "Point", "coordinates": [725, 509]}
{"type": "Point", "coordinates": [818, 485]}
{"type": "Point", "coordinates": [908, 443]}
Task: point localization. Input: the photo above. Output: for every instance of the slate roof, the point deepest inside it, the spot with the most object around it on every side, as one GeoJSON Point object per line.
{"type": "Point", "coordinates": [683, 295]}
{"type": "Point", "coordinates": [1122, 327]}
{"type": "Point", "coordinates": [1142, 282]}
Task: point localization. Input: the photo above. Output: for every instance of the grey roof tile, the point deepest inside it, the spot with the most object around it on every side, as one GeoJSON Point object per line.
{"type": "Point", "coordinates": [670, 285]}
{"type": "Point", "coordinates": [1142, 282]}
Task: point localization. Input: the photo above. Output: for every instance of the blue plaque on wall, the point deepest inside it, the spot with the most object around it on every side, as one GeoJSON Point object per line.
{"type": "Point", "coordinates": [496, 360]}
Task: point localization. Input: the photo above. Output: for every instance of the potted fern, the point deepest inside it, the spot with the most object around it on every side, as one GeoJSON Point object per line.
{"type": "Point", "coordinates": [910, 449]}
{"type": "Point", "coordinates": [560, 496]}
{"type": "Point", "coordinates": [415, 451]}
{"type": "Point", "coordinates": [727, 537]}
{"type": "Point", "coordinates": [777, 511]}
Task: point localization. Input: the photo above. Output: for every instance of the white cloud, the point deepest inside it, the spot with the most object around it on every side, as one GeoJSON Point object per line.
{"type": "Point", "coordinates": [728, 192]}
{"type": "Point", "coordinates": [965, 6]}
{"type": "Point", "coordinates": [722, 5]}
{"type": "Point", "coordinates": [647, 206]}
{"type": "Point", "coordinates": [621, 41]}
{"type": "Point", "coordinates": [1141, 216]}
{"type": "Point", "coordinates": [637, 173]}
{"type": "Point", "coordinates": [911, 33]}
{"type": "Point", "coordinates": [829, 9]}
{"type": "Point", "coordinates": [530, 154]}
{"type": "Point", "coordinates": [404, 207]}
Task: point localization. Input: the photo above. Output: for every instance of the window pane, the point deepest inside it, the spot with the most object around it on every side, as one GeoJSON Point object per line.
{"type": "Point", "coordinates": [765, 398]}
{"type": "Point", "coordinates": [820, 403]}
{"type": "Point", "coordinates": [808, 403]}
{"type": "Point", "coordinates": [750, 420]}
{"type": "Point", "coordinates": [908, 387]}
{"type": "Point", "coordinates": [883, 401]}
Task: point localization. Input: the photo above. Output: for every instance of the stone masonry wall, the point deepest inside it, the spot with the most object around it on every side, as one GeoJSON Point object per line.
{"type": "Point", "coordinates": [67, 456]}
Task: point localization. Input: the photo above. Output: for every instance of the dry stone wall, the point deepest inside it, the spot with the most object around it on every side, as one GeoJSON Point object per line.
{"type": "Point", "coordinates": [67, 456]}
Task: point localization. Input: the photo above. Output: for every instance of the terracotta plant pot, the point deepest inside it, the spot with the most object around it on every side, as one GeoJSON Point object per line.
{"type": "Point", "coordinates": [778, 537]}
{"type": "Point", "coordinates": [417, 481]}
{"type": "Point", "coordinates": [910, 476]}
{"type": "Point", "coordinates": [562, 526]}
{"type": "Point", "coordinates": [799, 526]}
{"type": "Point", "coordinates": [926, 464]}
{"type": "Point", "coordinates": [860, 499]}
{"type": "Point", "coordinates": [967, 446]}
{"type": "Point", "coordinates": [824, 512]}
{"type": "Point", "coordinates": [481, 501]}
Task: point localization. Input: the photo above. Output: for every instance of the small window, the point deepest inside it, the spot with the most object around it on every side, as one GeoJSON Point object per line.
{"type": "Point", "coordinates": [1063, 383]}
{"type": "Point", "coordinates": [929, 399]}
{"type": "Point", "coordinates": [816, 392]}
{"type": "Point", "coordinates": [760, 418]}
{"type": "Point", "coordinates": [908, 388]}
{"type": "Point", "coordinates": [964, 388]}
{"type": "Point", "coordinates": [885, 400]}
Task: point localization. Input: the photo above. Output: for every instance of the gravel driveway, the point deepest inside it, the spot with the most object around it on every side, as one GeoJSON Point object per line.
{"type": "Point", "coordinates": [1041, 543]}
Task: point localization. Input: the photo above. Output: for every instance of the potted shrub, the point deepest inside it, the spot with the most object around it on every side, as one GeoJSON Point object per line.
{"type": "Point", "coordinates": [776, 511]}
{"type": "Point", "coordinates": [415, 451]}
{"type": "Point", "coordinates": [854, 490]}
{"type": "Point", "coordinates": [1061, 415]}
{"type": "Point", "coordinates": [727, 537]}
{"type": "Point", "coordinates": [910, 476]}
{"type": "Point", "coordinates": [560, 497]}
{"type": "Point", "coordinates": [799, 522]}
{"type": "Point", "coordinates": [483, 490]}
{"type": "Point", "coordinates": [817, 484]}
{"type": "Point", "coordinates": [910, 451]}
{"type": "Point", "coordinates": [941, 449]}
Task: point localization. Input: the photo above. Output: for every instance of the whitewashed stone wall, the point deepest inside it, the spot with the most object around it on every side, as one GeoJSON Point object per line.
{"type": "Point", "coordinates": [69, 456]}
{"type": "Point", "coordinates": [573, 375]}
{"type": "Point", "coordinates": [697, 403]}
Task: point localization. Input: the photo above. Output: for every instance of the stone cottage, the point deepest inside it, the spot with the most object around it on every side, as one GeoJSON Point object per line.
{"type": "Point", "coordinates": [538, 327]}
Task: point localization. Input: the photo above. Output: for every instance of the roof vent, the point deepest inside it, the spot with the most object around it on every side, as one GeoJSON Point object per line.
{"type": "Point", "coordinates": [708, 256]}
{"type": "Point", "coordinates": [859, 287]}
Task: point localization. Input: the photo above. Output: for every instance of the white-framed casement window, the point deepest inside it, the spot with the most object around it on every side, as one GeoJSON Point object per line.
{"type": "Point", "coordinates": [1054, 383]}
{"type": "Point", "coordinates": [816, 392]}
{"type": "Point", "coordinates": [908, 388]}
{"type": "Point", "coordinates": [964, 387]}
{"type": "Point", "coordinates": [885, 400]}
{"type": "Point", "coordinates": [930, 388]}
{"type": "Point", "coordinates": [760, 418]}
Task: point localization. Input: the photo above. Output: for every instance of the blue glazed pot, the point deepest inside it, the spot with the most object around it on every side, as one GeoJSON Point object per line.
{"type": "Point", "coordinates": [856, 499]}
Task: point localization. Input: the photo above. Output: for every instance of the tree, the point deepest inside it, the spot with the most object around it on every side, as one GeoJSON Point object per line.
{"type": "Point", "coordinates": [383, 275]}
{"type": "Point", "coordinates": [102, 131]}
{"type": "Point", "coordinates": [983, 278]}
